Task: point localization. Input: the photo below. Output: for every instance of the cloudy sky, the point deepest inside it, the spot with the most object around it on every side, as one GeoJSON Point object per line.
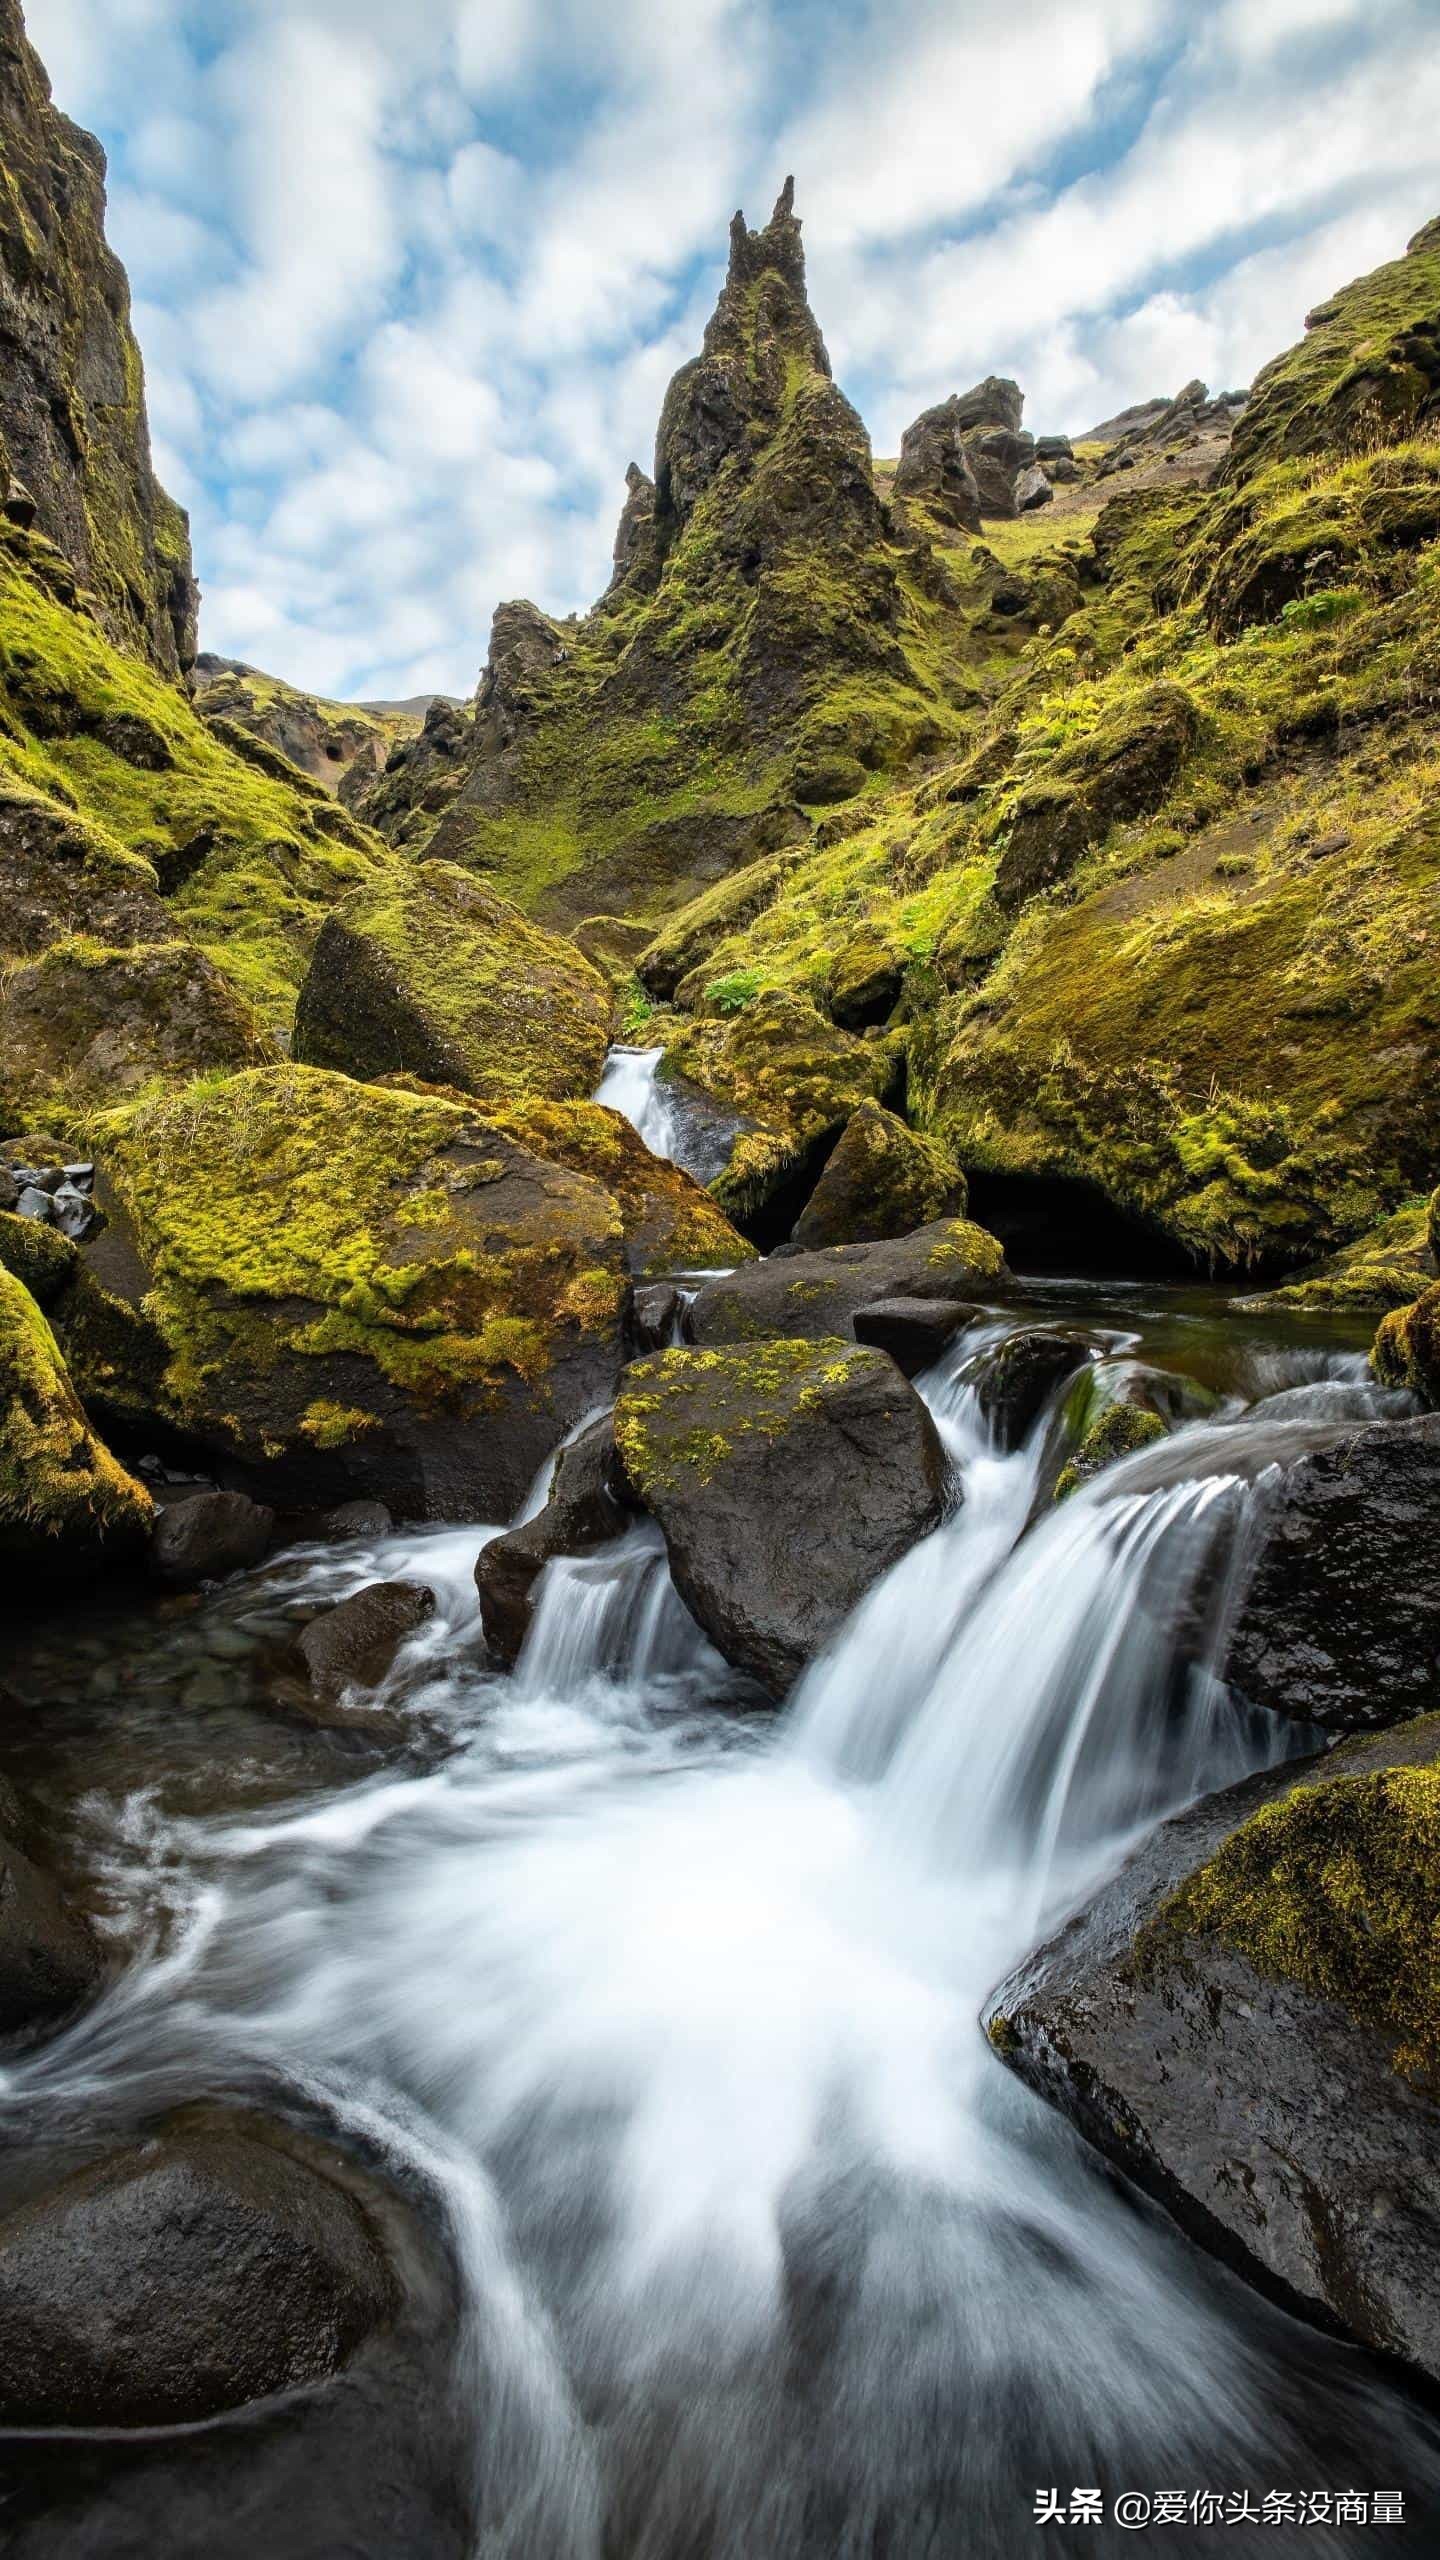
{"type": "Point", "coordinates": [411, 275]}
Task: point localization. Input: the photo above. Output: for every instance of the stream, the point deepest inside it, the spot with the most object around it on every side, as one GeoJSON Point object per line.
{"type": "Point", "coordinates": [669, 2003]}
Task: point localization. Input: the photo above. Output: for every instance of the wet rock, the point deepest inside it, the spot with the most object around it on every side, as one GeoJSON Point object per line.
{"type": "Point", "coordinates": [1024, 1374]}
{"type": "Point", "coordinates": [915, 1331]}
{"type": "Point", "coordinates": [1244, 2020]}
{"type": "Point", "coordinates": [49, 1962]}
{"type": "Point", "coordinates": [345, 1520]}
{"type": "Point", "coordinates": [1340, 1621]}
{"type": "Point", "coordinates": [1116, 1432]}
{"type": "Point", "coordinates": [655, 1312]}
{"type": "Point", "coordinates": [207, 1536]}
{"type": "Point", "coordinates": [195, 2273]}
{"type": "Point", "coordinates": [786, 1478]}
{"type": "Point", "coordinates": [589, 1505]}
{"type": "Point", "coordinates": [882, 1180]}
{"type": "Point", "coordinates": [354, 1646]}
{"type": "Point", "coordinates": [809, 1295]}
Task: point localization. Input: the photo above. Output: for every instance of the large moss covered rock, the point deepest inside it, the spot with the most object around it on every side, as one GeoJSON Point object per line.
{"type": "Point", "coordinates": [1247, 2021]}
{"type": "Point", "coordinates": [791, 1073]}
{"type": "Point", "coordinates": [1123, 770]}
{"type": "Point", "coordinates": [882, 1180]}
{"type": "Point", "coordinates": [90, 1023]}
{"type": "Point", "coordinates": [1407, 1348]}
{"type": "Point", "coordinates": [727, 1449]}
{"type": "Point", "coordinates": [432, 975]}
{"type": "Point", "coordinates": [363, 1291]}
{"type": "Point", "coordinates": [66, 1504]}
{"type": "Point", "coordinates": [670, 1223]}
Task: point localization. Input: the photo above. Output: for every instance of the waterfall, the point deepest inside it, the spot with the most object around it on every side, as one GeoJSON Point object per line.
{"type": "Point", "coordinates": [631, 1086]}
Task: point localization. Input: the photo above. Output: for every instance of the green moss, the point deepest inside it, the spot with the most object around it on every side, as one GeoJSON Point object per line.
{"type": "Point", "coordinates": [36, 1256]}
{"type": "Point", "coordinates": [61, 1492]}
{"type": "Point", "coordinates": [1335, 1887]}
{"type": "Point", "coordinates": [1116, 1433]}
{"type": "Point", "coordinates": [670, 1223]}
{"type": "Point", "coordinates": [1407, 1348]}
{"type": "Point", "coordinates": [1360, 376]}
{"type": "Point", "coordinates": [740, 1394]}
{"type": "Point", "coordinates": [1385, 1268]}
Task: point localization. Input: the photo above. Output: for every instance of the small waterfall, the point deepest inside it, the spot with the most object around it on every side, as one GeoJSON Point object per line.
{"type": "Point", "coordinates": [612, 1613]}
{"type": "Point", "coordinates": [631, 1086]}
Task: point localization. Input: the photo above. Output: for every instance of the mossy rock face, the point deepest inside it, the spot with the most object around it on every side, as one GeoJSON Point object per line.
{"type": "Point", "coordinates": [61, 877]}
{"type": "Point", "coordinates": [326, 740]}
{"type": "Point", "coordinates": [1384, 1269]}
{"type": "Point", "coordinates": [815, 1295]}
{"type": "Point", "coordinates": [866, 979]}
{"type": "Point", "coordinates": [365, 1292]}
{"type": "Point", "coordinates": [1407, 1348]}
{"type": "Point", "coordinates": [434, 976]}
{"type": "Point", "coordinates": [1124, 770]}
{"type": "Point", "coordinates": [88, 1024]}
{"type": "Point", "coordinates": [43, 1261]}
{"type": "Point", "coordinates": [1366, 372]}
{"type": "Point", "coordinates": [65, 1504]}
{"type": "Point", "coordinates": [1247, 2022]}
{"type": "Point", "coordinates": [778, 1060]}
{"type": "Point", "coordinates": [669, 1222]}
{"type": "Point", "coordinates": [882, 1180]}
{"type": "Point", "coordinates": [725, 1448]}
{"type": "Point", "coordinates": [73, 428]}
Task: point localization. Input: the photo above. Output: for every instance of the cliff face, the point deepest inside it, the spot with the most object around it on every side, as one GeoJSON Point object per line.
{"type": "Point", "coordinates": [74, 440]}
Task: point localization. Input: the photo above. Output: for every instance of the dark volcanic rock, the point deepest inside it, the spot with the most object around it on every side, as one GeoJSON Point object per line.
{"type": "Point", "coordinates": [1020, 1380]}
{"type": "Point", "coordinates": [654, 1314]}
{"type": "Point", "coordinates": [49, 1962]}
{"type": "Point", "coordinates": [786, 1478]}
{"type": "Point", "coordinates": [1266, 2112]}
{"type": "Point", "coordinates": [202, 2271]}
{"type": "Point", "coordinates": [209, 1535]}
{"type": "Point", "coordinates": [354, 1645]}
{"type": "Point", "coordinates": [806, 1295]}
{"type": "Point", "coordinates": [1340, 1623]}
{"type": "Point", "coordinates": [915, 1331]}
{"type": "Point", "coordinates": [933, 466]}
{"type": "Point", "coordinates": [589, 1504]}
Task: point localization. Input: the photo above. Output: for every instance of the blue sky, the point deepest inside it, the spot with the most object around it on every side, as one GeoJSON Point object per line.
{"type": "Point", "coordinates": [410, 279]}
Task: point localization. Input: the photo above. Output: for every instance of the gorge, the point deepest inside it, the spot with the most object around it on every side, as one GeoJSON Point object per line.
{"type": "Point", "coordinates": [719, 1457]}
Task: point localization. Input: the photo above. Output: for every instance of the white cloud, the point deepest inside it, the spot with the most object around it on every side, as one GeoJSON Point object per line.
{"type": "Point", "coordinates": [411, 283]}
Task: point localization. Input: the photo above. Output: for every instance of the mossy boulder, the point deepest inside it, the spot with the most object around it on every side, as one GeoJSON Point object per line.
{"type": "Point", "coordinates": [1124, 769]}
{"type": "Point", "coordinates": [37, 1256]}
{"type": "Point", "coordinates": [883, 1180]}
{"type": "Point", "coordinates": [1247, 2021]}
{"type": "Point", "coordinates": [66, 1505]}
{"type": "Point", "coordinates": [62, 877]}
{"type": "Point", "coordinates": [793, 1075]}
{"type": "Point", "coordinates": [866, 980]}
{"type": "Point", "coordinates": [432, 975]}
{"type": "Point", "coordinates": [726, 1448]}
{"type": "Point", "coordinates": [88, 1023]}
{"type": "Point", "coordinates": [813, 1295]}
{"type": "Point", "coordinates": [1386, 1268]}
{"type": "Point", "coordinates": [1117, 1431]}
{"type": "Point", "coordinates": [364, 1292]}
{"type": "Point", "coordinates": [669, 1222]}
{"type": "Point", "coordinates": [1407, 1348]}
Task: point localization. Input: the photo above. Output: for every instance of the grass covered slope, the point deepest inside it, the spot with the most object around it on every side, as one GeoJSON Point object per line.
{"type": "Point", "coordinates": [1168, 922]}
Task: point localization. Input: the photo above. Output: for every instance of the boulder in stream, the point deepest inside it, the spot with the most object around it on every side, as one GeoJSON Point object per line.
{"type": "Point", "coordinates": [589, 1504]}
{"type": "Point", "coordinates": [1024, 1374]}
{"type": "Point", "coordinates": [786, 1477]}
{"type": "Point", "coordinates": [1247, 2021]}
{"type": "Point", "coordinates": [49, 1961]}
{"type": "Point", "coordinates": [812, 1296]}
{"type": "Point", "coordinates": [189, 2274]}
{"type": "Point", "coordinates": [353, 1647]}
{"type": "Point", "coordinates": [915, 1331]}
{"type": "Point", "coordinates": [883, 1179]}
{"type": "Point", "coordinates": [207, 1536]}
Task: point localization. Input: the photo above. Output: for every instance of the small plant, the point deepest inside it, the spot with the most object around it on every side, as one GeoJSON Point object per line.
{"type": "Point", "coordinates": [1327, 604]}
{"type": "Point", "coordinates": [635, 1009]}
{"type": "Point", "coordinates": [731, 994]}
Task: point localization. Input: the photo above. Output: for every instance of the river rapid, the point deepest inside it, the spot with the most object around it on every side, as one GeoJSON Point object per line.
{"type": "Point", "coordinates": [669, 2005]}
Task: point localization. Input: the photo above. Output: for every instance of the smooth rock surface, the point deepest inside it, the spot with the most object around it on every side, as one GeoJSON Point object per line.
{"type": "Point", "coordinates": [208, 1536]}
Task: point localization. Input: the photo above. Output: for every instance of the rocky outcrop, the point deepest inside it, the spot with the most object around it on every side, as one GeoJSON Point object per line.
{"type": "Point", "coordinates": [350, 1650]}
{"type": "Point", "coordinates": [810, 1296]}
{"type": "Point", "coordinates": [199, 2271]}
{"type": "Point", "coordinates": [335, 743]}
{"type": "Point", "coordinates": [1164, 428]}
{"type": "Point", "coordinates": [668, 1222]}
{"type": "Point", "coordinates": [935, 468]}
{"type": "Point", "coordinates": [725, 1448]}
{"type": "Point", "coordinates": [66, 1505]}
{"type": "Point", "coordinates": [74, 439]}
{"type": "Point", "coordinates": [362, 1292]}
{"type": "Point", "coordinates": [1366, 372]}
{"type": "Point", "coordinates": [637, 545]}
{"type": "Point", "coordinates": [96, 1024]}
{"type": "Point", "coordinates": [588, 1505]}
{"type": "Point", "coordinates": [882, 1180]}
{"type": "Point", "coordinates": [434, 976]}
{"type": "Point", "coordinates": [1245, 2020]}
{"type": "Point", "coordinates": [1340, 1620]}
{"type": "Point", "coordinates": [1122, 770]}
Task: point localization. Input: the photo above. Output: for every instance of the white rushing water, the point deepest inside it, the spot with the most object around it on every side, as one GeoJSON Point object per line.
{"type": "Point", "coordinates": [676, 2009]}
{"type": "Point", "coordinates": [631, 1086]}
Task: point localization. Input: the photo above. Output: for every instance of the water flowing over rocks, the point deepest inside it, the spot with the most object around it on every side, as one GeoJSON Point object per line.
{"type": "Point", "coordinates": [588, 1504]}
{"type": "Point", "coordinates": [728, 1450]}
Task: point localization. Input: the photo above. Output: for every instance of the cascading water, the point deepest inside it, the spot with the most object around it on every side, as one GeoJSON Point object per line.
{"type": "Point", "coordinates": [630, 1086]}
{"type": "Point", "coordinates": [674, 2008]}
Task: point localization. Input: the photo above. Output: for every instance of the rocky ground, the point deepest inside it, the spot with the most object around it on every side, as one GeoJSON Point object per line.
{"type": "Point", "coordinates": [1051, 829]}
